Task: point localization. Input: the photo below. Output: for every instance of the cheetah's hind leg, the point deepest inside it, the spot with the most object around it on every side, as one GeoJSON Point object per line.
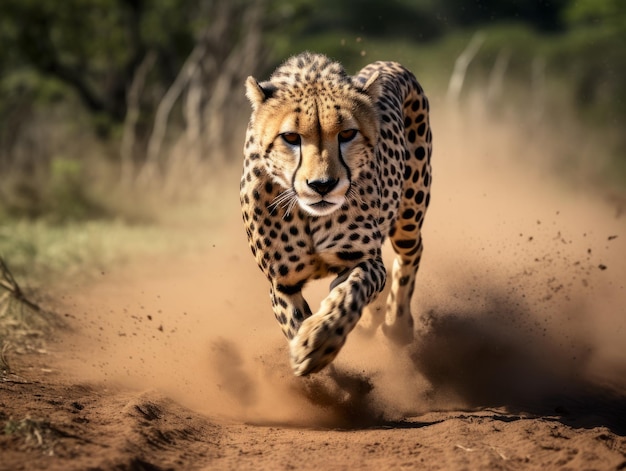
{"type": "Point", "coordinates": [399, 323]}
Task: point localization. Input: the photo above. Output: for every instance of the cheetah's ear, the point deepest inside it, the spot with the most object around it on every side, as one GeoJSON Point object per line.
{"type": "Point", "coordinates": [373, 87]}
{"type": "Point", "coordinates": [257, 92]}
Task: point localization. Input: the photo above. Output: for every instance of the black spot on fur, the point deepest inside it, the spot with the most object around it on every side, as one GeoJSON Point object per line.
{"type": "Point", "coordinates": [405, 243]}
{"type": "Point", "coordinates": [350, 255]}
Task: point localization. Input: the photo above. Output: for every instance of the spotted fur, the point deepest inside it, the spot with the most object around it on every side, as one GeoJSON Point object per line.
{"type": "Point", "coordinates": [333, 165]}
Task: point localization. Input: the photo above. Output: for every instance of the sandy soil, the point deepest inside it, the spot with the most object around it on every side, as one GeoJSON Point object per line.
{"type": "Point", "coordinates": [177, 363]}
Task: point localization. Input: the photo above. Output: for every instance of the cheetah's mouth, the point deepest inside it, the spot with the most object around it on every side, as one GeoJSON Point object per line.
{"type": "Point", "coordinates": [322, 207]}
{"type": "Point", "coordinates": [316, 204]}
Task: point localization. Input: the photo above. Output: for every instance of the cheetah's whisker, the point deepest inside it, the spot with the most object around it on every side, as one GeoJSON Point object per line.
{"type": "Point", "coordinates": [292, 203]}
{"type": "Point", "coordinates": [283, 200]}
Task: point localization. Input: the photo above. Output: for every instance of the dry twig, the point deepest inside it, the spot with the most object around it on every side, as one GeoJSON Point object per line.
{"type": "Point", "coordinates": [7, 281]}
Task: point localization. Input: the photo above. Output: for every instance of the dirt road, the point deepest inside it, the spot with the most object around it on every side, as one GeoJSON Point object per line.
{"type": "Point", "coordinates": [520, 363]}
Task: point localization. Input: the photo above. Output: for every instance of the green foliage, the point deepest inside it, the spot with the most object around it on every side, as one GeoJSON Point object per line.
{"type": "Point", "coordinates": [68, 198]}
{"type": "Point", "coordinates": [63, 194]}
{"type": "Point", "coordinates": [419, 20]}
{"type": "Point", "coordinates": [94, 46]}
{"type": "Point", "coordinates": [594, 13]}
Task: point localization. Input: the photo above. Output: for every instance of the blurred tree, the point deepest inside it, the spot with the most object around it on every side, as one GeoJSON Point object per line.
{"type": "Point", "coordinates": [128, 61]}
{"type": "Point", "coordinates": [605, 13]}
{"type": "Point", "coordinates": [417, 20]}
{"type": "Point", "coordinates": [544, 15]}
{"type": "Point", "coordinates": [594, 57]}
{"type": "Point", "coordinates": [95, 46]}
{"type": "Point", "coordinates": [423, 19]}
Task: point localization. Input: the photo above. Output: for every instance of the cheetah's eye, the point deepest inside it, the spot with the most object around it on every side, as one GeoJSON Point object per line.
{"type": "Point", "coordinates": [291, 138]}
{"type": "Point", "coordinates": [347, 135]}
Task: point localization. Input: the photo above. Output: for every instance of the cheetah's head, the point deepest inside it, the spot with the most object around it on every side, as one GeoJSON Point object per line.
{"type": "Point", "coordinates": [316, 130]}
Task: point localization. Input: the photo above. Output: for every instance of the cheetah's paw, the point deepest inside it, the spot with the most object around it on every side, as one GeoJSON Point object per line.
{"type": "Point", "coordinates": [315, 345]}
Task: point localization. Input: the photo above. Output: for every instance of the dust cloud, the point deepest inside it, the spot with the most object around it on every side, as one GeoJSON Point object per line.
{"type": "Point", "coordinates": [520, 300]}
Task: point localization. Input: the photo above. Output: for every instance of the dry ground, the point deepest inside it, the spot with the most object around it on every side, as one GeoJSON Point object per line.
{"type": "Point", "coordinates": [176, 363]}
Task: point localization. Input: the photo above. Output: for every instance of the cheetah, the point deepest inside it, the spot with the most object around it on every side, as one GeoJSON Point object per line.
{"type": "Point", "coordinates": [334, 164]}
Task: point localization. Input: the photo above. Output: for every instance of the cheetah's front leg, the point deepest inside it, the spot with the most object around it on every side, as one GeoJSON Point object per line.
{"type": "Point", "coordinates": [322, 335]}
{"type": "Point", "coordinates": [290, 307]}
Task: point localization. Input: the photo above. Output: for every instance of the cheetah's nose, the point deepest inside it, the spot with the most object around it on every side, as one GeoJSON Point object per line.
{"type": "Point", "coordinates": [323, 186]}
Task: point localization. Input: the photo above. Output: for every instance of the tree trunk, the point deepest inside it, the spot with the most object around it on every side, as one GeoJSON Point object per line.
{"type": "Point", "coordinates": [152, 168]}
{"type": "Point", "coordinates": [127, 147]}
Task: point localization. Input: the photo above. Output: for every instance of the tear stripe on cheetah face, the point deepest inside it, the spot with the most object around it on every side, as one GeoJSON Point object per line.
{"type": "Point", "coordinates": [333, 164]}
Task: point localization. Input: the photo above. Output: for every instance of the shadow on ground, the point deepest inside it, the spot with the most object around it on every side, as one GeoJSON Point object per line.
{"type": "Point", "coordinates": [501, 356]}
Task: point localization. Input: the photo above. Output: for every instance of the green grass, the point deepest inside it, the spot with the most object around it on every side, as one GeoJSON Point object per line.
{"type": "Point", "coordinates": [35, 249]}
{"type": "Point", "coordinates": [38, 251]}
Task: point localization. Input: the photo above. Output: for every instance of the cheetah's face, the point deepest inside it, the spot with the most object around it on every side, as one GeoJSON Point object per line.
{"type": "Point", "coordinates": [314, 139]}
